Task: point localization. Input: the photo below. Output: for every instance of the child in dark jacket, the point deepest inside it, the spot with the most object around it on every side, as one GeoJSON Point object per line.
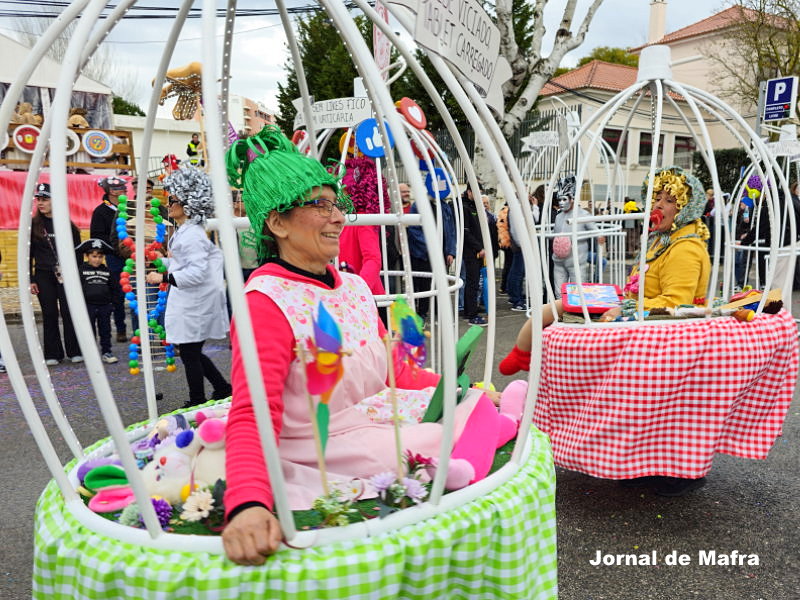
{"type": "Point", "coordinates": [98, 290]}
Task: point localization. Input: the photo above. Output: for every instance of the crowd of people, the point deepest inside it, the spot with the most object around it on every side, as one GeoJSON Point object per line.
{"type": "Point", "coordinates": [297, 230]}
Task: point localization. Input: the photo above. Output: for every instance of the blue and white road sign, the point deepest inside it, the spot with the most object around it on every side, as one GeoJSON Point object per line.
{"type": "Point", "coordinates": [780, 99]}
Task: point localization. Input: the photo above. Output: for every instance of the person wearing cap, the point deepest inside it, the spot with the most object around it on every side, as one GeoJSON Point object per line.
{"type": "Point", "coordinates": [98, 290]}
{"type": "Point", "coordinates": [563, 263]}
{"type": "Point", "coordinates": [196, 308]}
{"type": "Point", "coordinates": [47, 282]}
{"type": "Point", "coordinates": [297, 213]}
{"type": "Point", "coordinates": [102, 227]}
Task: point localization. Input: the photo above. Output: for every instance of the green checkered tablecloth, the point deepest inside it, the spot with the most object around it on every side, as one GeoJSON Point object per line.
{"type": "Point", "coordinates": [499, 546]}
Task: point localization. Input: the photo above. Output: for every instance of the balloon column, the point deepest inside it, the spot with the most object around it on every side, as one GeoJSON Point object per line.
{"type": "Point", "coordinates": [151, 253]}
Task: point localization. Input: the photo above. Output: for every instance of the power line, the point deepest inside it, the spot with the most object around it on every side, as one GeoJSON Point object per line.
{"type": "Point", "coordinates": [161, 40]}
{"type": "Point", "coordinates": [151, 12]}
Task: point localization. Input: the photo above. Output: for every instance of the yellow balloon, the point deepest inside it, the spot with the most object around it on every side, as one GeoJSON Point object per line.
{"type": "Point", "coordinates": [134, 371]}
{"type": "Point", "coordinates": [171, 368]}
{"type": "Point", "coordinates": [185, 491]}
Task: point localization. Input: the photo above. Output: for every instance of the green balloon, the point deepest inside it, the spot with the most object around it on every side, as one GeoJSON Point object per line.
{"type": "Point", "coordinates": [162, 269]}
{"type": "Point", "coordinates": [127, 269]}
{"type": "Point", "coordinates": [133, 364]}
{"type": "Point", "coordinates": [152, 322]}
{"type": "Point", "coordinates": [122, 198]}
{"type": "Point", "coordinates": [123, 214]}
{"type": "Point", "coordinates": [155, 202]}
{"type": "Point", "coordinates": [158, 219]}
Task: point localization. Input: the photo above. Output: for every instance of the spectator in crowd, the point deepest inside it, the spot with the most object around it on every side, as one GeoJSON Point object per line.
{"type": "Point", "coordinates": [102, 227]}
{"type": "Point", "coordinates": [474, 253]}
{"type": "Point", "coordinates": [741, 257]}
{"type": "Point", "coordinates": [359, 245]}
{"type": "Point", "coordinates": [196, 308]}
{"type": "Point", "coordinates": [47, 282]}
{"type": "Point", "coordinates": [98, 290]}
{"type": "Point", "coordinates": [491, 220]}
{"type": "Point", "coordinates": [516, 275]}
{"type": "Point", "coordinates": [194, 150]}
{"type": "Point", "coordinates": [248, 256]}
{"type": "Point", "coordinates": [394, 258]}
{"type": "Point", "coordinates": [418, 249]}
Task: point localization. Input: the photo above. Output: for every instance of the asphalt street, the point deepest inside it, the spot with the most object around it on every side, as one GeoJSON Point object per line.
{"type": "Point", "coordinates": [748, 506]}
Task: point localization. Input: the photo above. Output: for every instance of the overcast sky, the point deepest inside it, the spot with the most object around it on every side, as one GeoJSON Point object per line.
{"type": "Point", "coordinates": [259, 50]}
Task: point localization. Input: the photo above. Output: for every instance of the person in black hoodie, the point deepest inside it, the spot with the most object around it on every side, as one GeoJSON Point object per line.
{"type": "Point", "coordinates": [103, 225]}
{"type": "Point", "coordinates": [98, 290]}
{"type": "Point", "coordinates": [48, 284]}
{"type": "Point", "coordinates": [473, 259]}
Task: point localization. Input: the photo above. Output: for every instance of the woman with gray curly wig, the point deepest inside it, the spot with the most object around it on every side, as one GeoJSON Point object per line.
{"type": "Point", "coordinates": [196, 309]}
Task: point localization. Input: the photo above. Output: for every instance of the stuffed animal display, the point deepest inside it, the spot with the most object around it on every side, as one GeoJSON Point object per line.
{"type": "Point", "coordinates": [174, 458]}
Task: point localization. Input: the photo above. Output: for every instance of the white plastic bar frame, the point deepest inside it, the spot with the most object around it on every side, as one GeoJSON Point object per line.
{"type": "Point", "coordinates": [233, 273]}
{"type": "Point", "coordinates": [141, 194]}
{"type": "Point", "coordinates": [66, 253]}
{"type": "Point", "coordinates": [23, 246]}
{"type": "Point", "coordinates": [379, 96]}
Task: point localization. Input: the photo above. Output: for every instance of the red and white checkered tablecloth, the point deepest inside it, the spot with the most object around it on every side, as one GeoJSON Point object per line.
{"type": "Point", "coordinates": [662, 399]}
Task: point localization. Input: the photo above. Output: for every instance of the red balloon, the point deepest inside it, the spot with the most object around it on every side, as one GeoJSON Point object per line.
{"type": "Point", "coordinates": [127, 288]}
{"type": "Point", "coordinates": [135, 340]}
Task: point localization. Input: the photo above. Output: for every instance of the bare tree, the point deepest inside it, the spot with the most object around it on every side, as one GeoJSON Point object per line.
{"type": "Point", "coordinates": [761, 41]}
{"type": "Point", "coordinates": [531, 70]}
{"type": "Point", "coordinates": [104, 66]}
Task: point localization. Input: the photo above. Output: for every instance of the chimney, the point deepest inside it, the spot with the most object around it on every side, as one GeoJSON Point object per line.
{"type": "Point", "coordinates": [658, 21]}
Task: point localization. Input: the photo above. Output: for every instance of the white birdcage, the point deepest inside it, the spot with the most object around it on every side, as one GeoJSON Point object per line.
{"type": "Point", "coordinates": [62, 513]}
{"type": "Point", "coordinates": [655, 93]}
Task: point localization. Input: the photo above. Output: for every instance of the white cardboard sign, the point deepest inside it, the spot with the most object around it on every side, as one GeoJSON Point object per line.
{"type": "Point", "coordinates": [336, 113]}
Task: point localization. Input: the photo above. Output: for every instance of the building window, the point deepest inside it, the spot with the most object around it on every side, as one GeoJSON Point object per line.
{"type": "Point", "coordinates": [612, 137]}
{"type": "Point", "coordinates": [684, 151]}
{"type": "Point", "coordinates": [646, 147]}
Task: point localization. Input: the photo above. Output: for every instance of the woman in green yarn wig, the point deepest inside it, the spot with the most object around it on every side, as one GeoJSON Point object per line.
{"type": "Point", "coordinates": [297, 299]}
{"type": "Point", "coordinates": [274, 176]}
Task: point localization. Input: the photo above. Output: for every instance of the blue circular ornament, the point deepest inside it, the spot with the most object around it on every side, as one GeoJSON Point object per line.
{"type": "Point", "coordinates": [438, 188]}
{"type": "Point", "coordinates": [369, 140]}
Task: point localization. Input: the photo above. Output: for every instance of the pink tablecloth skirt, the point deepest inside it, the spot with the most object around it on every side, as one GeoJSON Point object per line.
{"type": "Point", "coordinates": [663, 399]}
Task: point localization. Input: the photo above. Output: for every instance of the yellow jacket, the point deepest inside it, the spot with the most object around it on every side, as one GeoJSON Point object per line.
{"type": "Point", "coordinates": [679, 275]}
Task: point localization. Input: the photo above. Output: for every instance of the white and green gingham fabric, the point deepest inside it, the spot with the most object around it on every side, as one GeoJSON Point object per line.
{"type": "Point", "coordinates": [499, 546]}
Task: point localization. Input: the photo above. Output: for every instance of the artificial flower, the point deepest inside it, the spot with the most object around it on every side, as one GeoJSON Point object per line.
{"type": "Point", "coordinates": [198, 506]}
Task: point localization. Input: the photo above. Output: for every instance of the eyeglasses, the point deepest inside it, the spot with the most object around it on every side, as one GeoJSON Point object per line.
{"type": "Point", "coordinates": [172, 201]}
{"type": "Point", "coordinates": [325, 207]}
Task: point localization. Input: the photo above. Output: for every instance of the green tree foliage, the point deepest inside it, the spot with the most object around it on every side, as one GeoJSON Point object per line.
{"type": "Point", "coordinates": [329, 69]}
{"type": "Point", "coordinates": [123, 107]}
{"type": "Point", "coordinates": [729, 165]}
{"type": "Point", "coordinates": [618, 56]}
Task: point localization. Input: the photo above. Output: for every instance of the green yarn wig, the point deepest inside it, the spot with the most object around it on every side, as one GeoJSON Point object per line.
{"type": "Point", "coordinates": [274, 175]}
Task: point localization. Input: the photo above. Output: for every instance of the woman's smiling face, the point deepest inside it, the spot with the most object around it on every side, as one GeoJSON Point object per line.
{"type": "Point", "coordinates": [308, 235]}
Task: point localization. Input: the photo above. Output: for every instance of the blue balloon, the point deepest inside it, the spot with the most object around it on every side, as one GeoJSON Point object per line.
{"type": "Point", "coordinates": [133, 355]}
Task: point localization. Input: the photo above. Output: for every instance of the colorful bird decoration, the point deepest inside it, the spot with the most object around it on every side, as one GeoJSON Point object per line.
{"type": "Point", "coordinates": [408, 325]}
{"type": "Point", "coordinates": [326, 368]}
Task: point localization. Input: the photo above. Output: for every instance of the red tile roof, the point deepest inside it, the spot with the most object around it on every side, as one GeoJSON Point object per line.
{"type": "Point", "coordinates": [596, 74]}
{"type": "Point", "coordinates": [716, 22]}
